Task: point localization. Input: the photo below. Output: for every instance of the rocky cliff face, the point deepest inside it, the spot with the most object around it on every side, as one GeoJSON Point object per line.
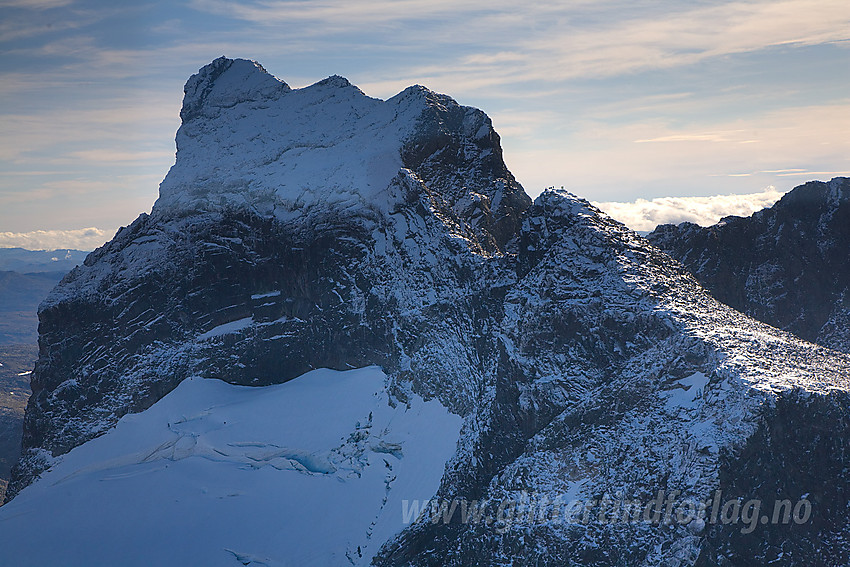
{"type": "Point", "coordinates": [321, 228]}
{"type": "Point", "coordinates": [297, 230]}
{"type": "Point", "coordinates": [621, 376]}
{"type": "Point", "coordinates": [786, 265]}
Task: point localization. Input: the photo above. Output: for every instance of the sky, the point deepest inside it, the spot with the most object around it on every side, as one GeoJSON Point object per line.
{"type": "Point", "coordinates": [657, 110]}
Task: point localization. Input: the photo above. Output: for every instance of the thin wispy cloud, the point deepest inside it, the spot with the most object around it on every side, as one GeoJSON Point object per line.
{"type": "Point", "coordinates": [53, 136]}
{"type": "Point", "coordinates": [23, 19]}
{"type": "Point", "coordinates": [605, 162]}
{"type": "Point", "coordinates": [339, 12]}
{"type": "Point", "coordinates": [696, 137]}
{"type": "Point", "coordinates": [684, 37]}
{"type": "Point", "coordinates": [816, 174]}
{"type": "Point", "coordinates": [88, 191]}
{"type": "Point", "coordinates": [112, 155]}
{"type": "Point", "coordinates": [554, 41]}
{"type": "Point", "coordinates": [789, 173]}
{"type": "Point", "coordinates": [16, 28]}
{"type": "Point", "coordinates": [34, 4]}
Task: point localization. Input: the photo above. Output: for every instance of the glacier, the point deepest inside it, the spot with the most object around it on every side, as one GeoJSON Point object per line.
{"type": "Point", "coordinates": [311, 472]}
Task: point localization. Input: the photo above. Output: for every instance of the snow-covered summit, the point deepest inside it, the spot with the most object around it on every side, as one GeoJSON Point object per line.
{"type": "Point", "coordinates": [225, 83]}
{"type": "Point", "coordinates": [249, 140]}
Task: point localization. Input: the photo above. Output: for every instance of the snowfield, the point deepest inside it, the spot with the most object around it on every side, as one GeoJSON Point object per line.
{"type": "Point", "coordinates": [310, 472]}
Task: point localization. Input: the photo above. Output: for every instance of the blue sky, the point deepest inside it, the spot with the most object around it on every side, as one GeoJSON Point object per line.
{"type": "Point", "coordinates": [615, 100]}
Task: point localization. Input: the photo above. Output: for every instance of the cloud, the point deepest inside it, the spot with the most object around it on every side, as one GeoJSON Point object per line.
{"type": "Point", "coordinates": [601, 160]}
{"type": "Point", "coordinates": [78, 239]}
{"type": "Point", "coordinates": [695, 137]}
{"type": "Point", "coordinates": [28, 18]}
{"type": "Point", "coordinates": [118, 131]}
{"type": "Point", "coordinates": [645, 215]}
{"type": "Point", "coordinates": [544, 41]}
{"type": "Point", "coordinates": [562, 80]}
{"type": "Point", "coordinates": [816, 174]}
{"type": "Point", "coordinates": [340, 12]}
{"type": "Point", "coordinates": [34, 4]}
{"type": "Point", "coordinates": [113, 155]}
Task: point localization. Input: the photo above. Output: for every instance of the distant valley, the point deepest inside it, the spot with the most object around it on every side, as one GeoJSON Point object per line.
{"type": "Point", "coordinates": [26, 277]}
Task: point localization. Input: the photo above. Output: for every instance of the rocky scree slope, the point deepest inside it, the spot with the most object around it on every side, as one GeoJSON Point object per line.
{"type": "Point", "coordinates": [318, 227]}
{"type": "Point", "coordinates": [787, 265]}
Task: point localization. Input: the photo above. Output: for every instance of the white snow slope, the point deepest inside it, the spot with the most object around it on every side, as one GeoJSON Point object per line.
{"type": "Point", "coordinates": [248, 139]}
{"type": "Point", "coordinates": [310, 472]}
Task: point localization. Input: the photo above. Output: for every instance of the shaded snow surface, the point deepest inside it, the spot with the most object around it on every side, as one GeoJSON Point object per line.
{"type": "Point", "coordinates": [301, 473]}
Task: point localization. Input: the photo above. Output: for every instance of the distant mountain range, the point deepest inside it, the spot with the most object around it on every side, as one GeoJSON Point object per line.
{"type": "Point", "coordinates": [32, 261]}
{"type": "Point", "coordinates": [26, 277]}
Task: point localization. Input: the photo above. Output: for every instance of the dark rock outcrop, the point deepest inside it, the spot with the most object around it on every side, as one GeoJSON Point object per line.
{"type": "Point", "coordinates": [788, 265]}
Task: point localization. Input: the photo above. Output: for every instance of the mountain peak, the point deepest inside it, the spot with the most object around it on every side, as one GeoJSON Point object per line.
{"type": "Point", "coordinates": [785, 265]}
{"type": "Point", "coordinates": [250, 141]}
{"type": "Point", "coordinates": [226, 82]}
{"type": "Point", "coordinates": [318, 228]}
{"type": "Point", "coordinates": [337, 81]}
{"type": "Point", "coordinates": [818, 193]}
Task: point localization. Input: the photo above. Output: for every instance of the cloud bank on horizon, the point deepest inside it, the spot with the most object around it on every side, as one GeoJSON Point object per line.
{"type": "Point", "coordinates": [644, 215]}
{"type": "Point", "coordinates": [76, 239]}
{"type": "Point", "coordinates": [618, 100]}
